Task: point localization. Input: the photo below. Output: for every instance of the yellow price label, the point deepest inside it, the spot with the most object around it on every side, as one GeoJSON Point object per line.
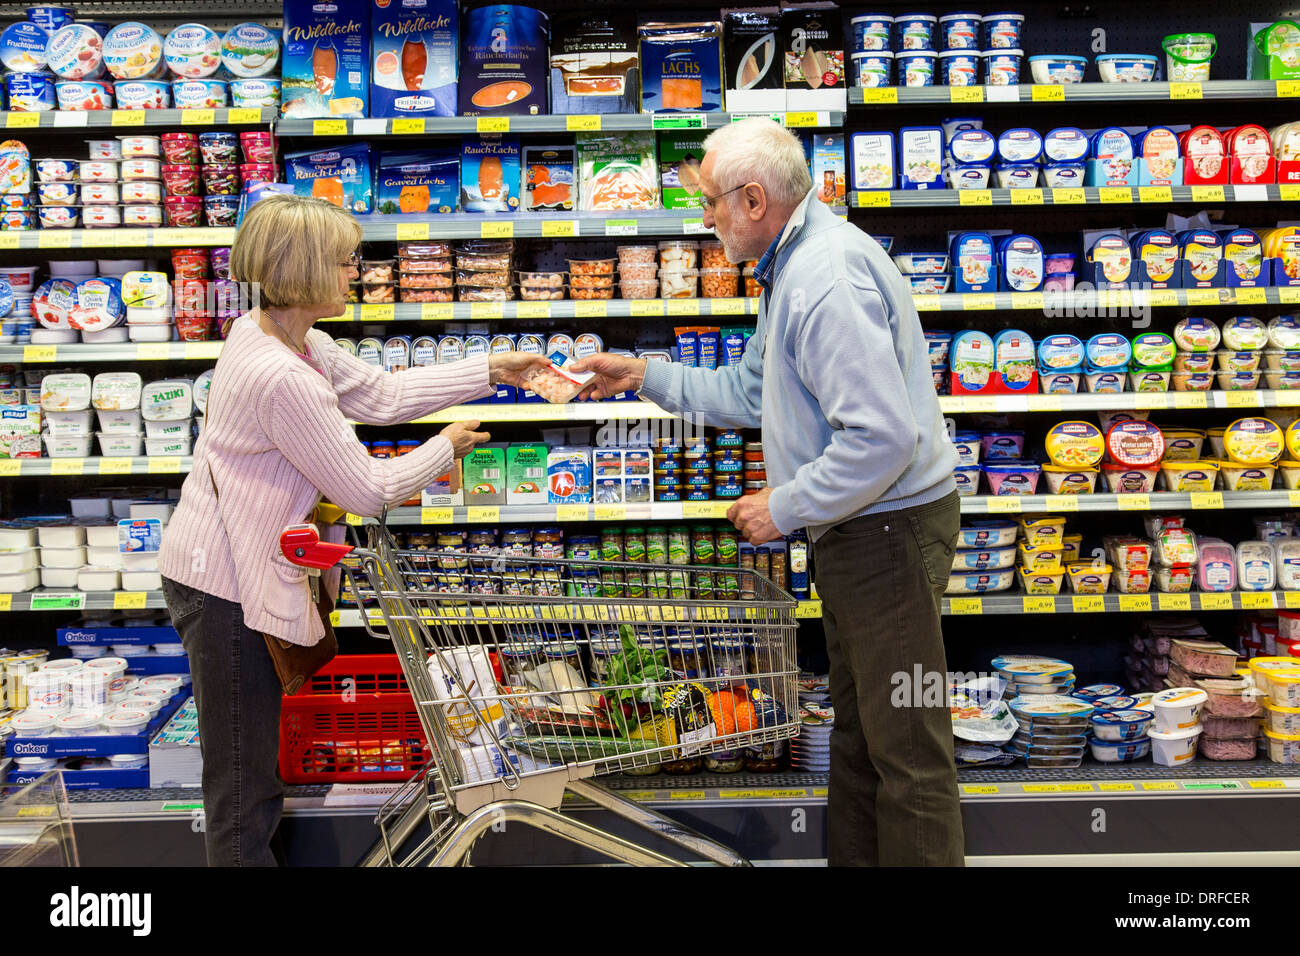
{"type": "Point", "coordinates": [1155, 194]}
{"type": "Point", "coordinates": [1088, 603]}
{"type": "Point", "coordinates": [1046, 403]}
{"type": "Point", "coordinates": [1162, 298]}
{"type": "Point", "coordinates": [127, 118]}
{"type": "Point", "coordinates": [978, 405]}
{"type": "Point", "coordinates": [1114, 194]}
{"type": "Point", "coordinates": [1252, 297]}
{"type": "Point", "coordinates": [435, 516]}
{"type": "Point", "coordinates": [1133, 502]}
{"type": "Point", "coordinates": [979, 788]}
{"type": "Point", "coordinates": [482, 514]}
{"type": "Point", "coordinates": [1203, 297]}
{"type": "Point", "coordinates": [726, 307]}
{"type": "Point", "coordinates": [611, 512]}
{"type": "Point", "coordinates": [641, 308]}
{"type": "Point", "coordinates": [966, 606]}
{"type": "Point", "coordinates": [171, 237]}
{"type": "Point", "coordinates": [1041, 787]}
{"type": "Point", "coordinates": [582, 123]}
{"type": "Point", "coordinates": [438, 311]}
{"type": "Point", "coordinates": [1174, 602]}
{"type": "Point", "coordinates": [1050, 93]}
{"type": "Point", "coordinates": [130, 600]}
{"type": "Point", "coordinates": [201, 350]}
{"type": "Point", "coordinates": [1161, 785]}
{"type": "Point", "coordinates": [9, 240]}
{"type": "Point", "coordinates": [6, 602]}
{"type": "Point", "coordinates": [336, 619]}
{"type": "Point", "coordinates": [40, 353]}
{"type": "Point", "coordinates": [1288, 88]}
{"type": "Point", "coordinates": [164, 466]}
{"type": "Point", "coordinates": [589, 309]}
{"type": "Point", "coordinates": [1075, 787]}
{"type": "Point", "coordinates": [1207, 194]}
{"type": "Point", "coordinates": [966, 94]}
{"type": "Point", "coordinates": [412, 231]}
{"type": "Point", "coordinates": [928, 303]}
{"type": "Point", "coordinates": [244, 115]}
{"type": "Point", "coordinates": [1267, 784]}
{"type": "Point", "coordinates": [493, 124]}
{"type": "Point", "coordinates": [975, 197]}
{"type": "Point", "coordinates": [1257, 600]}
{"type": "Point", "coordinates": [63, 467]}
{"type": "Point", "coordinates": [978, 302]}
{"type": "Point", "coordinates": [497, 230]}
{"type": "Point", "coordinates": [10, 467]}
{"type": "Point", "coordinates": [683, 306]}
{"type": "Point", "coordinates": [559, 229]}
{"type": "Point", "coordinates": [533, 310]}
{"type": "Point", "coordinates": [1026, 197]}
{"type": "Point", "coordinates": [884, 94]}
{"type": "Point", "coordinates": [873, 199]}
{"type": "Point", "coordinates": [198, 117]}
{"type": "Point", "coordinates": [1190, 400]}
{"type": "Point", "coordinates": [1150, 400]}
{"type": "Point", "coordinates": [1069, 197]}
{"type": "Point", "coordinates": [1061, 502]}
{"type": "Point", "coordinates": [329, 127]}
{"type": "Point", "coordinates": [1289, 295]}
{"type": "Point", "coordinates": [355, 521]}
{"type": "Point", "coordinates": [1033, 301]}
{"type": "Point", "coordinates": [796, 120]}
{"type": "Point", "coordinates": [115, 466]}
{"type": "Point", "coordinates": [1242, 399]}
{"type": "Point", "coordinates": [1216, 602]}
{"type": "Point", "coordinates": [1212, 500]}
{"type": "Point", "coordinates": [1039, 605]}
{"type": "Point", "coordinates": [571, 512]}
{"type": "Point", "coordinates": [23, 120]}
{"type": "Point", "coordinates": [1291, 598]}
{"type": "Point", "coordinates": [408, 126]}
{"type": "Point", "coordinates": [1288, 192]}
{"type": "Point", "coordinates": [1185, 91]}
{"type": "Point", "coordinates": [53, 239]}
{"type": "Point", "coordinates": [486, 310]}
{"type": "Point", "coordinates": [705, 509]}
{"type": "Point", "coordinates": [1004, 505]}
{"type": "Point", "coordinates": [1135, 602]}
{"type": "Point", "coordinates": [378, 312]}
{"type": "Point", "coordinates": [1117, 787]}
{"type": "Point", "coordinates": [152, 351]}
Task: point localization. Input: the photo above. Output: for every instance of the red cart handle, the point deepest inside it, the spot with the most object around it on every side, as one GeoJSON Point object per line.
{"type": "Point", "coordinates": [301, 545]}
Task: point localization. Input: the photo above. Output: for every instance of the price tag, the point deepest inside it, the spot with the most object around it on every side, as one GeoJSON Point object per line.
{"type": "Point", "coordinates": [797, 120]}
{"type": "Point", "coordinates": [978, 302]}
{"type": "Point", "coordinates": [1150, 400]}
{"type": "Point", "coordinates": [40, 353]}
{"type": "Point", "coordinates": [1052, 93]}
{"type": "Point", "coordinates": [6, 602]}
{"type": "Point", "coordinates": [53, 239]}
{"type": "Point", "coordinates": [974, 197]}
{"type": "Point", "coordinates": [1242, 399]}
{"type": "Point", "coordinates": [408, 125]}
{"type": "Point", "coordinates": [242, 115]}
{"type": "Point", "coordinates": [198, 117]}
{"type": "Point", "coordinates": [1190, 400]}
{"type": "Point", "coordinates": [336, 619]}
{"type": "Point", "coordinates": [582, 123]}
{"type": "Point", "coordinates": [440, 311]}
{"type": "Point", "coordinates": [1257, 600]}
{"type": "Point", "coordinates": [571, 512]}
{"type": "Point", "coordinates": [704, 509]}
{"type": "Point", "coordinates": [127, 118]}
{"type": "Point", "coordinates": [1088, 603]}
{"type": "Point", "coordinates": [885, 94]}
{"type": "Point", "coordinates": [726, 306]}
{"type": "Point", "coordinates": [1034, 301]}
{"type": "Point", "coordinates": [1174, 602]}
{"type": "Point", "coordinates": [1207, 194]}
{"type": "Point", "coordinates": [1039, 605]}
{"type": "Point", "coordinates": [1252, 297]}
{"type": "Point", "coordinates": [966, 606]}
{"type": "Point", "coordinates": [171, 237]}
{"type": "Point", "coordinates": [9, 240]}
{"type": "Point", "coordinates": [927, 303]}
{"type": "Point", "coordinates": [534, 310]}
{"type": "Point", "coordinates": [1288, 192]}
{"type": "Point", "coordinates": [497, 230]}
{"type": "Point", "coordinates": [642, 308]}
{"type": "Point", "coordinates": [329, 127]}
{"type": "Point", "coordinates": [589, 309]}
{"type": "Point", "coordinates": [1135, 602]}
{"type": "Point", "coordinates": [1203, 297]}
{"type": "Point", "coordinates": [695, 227]}
{"type": "Point", "coordinates": [115, 466]}
{"type": "Point", "coordinates": [1069, 197]}
{"type": "Point", "coordinates": [1026, 197]}
{"type": "Point", "coordinates": [484, 124]}
{"type": "Point", "coordinates": [1133, 502]}
{"type": "Point", "coordinates": [1250, 193]}
{"type": "Point", "coordinates": [11, 467]}
{"type": "Point", "coordinates": [620, 227]}
{"type": "Point", "coordinates": [1004, 505]}
{"type": "Point", "coordinates": [1202, 500]}
{"type": "Point", "coordinates": [1289, 295]}
{"type": "Point", "coordinates": [1267, 784]}
{"type": "Point", "coordinates": [64, 119]}
{"type": "Point", "coordinates": [1293, 498]}
{"type": "Point", "coordinates": [611, 512]}
{"type": "Point", "coordinates": [1162, 298]}
{"type": "Point", "coordinates": [164, 466]}
{"type": "Point", "coordinates": [683, 306]}
{"type": "Point", "coordinates": [99, 238]}
{"type": "Point", "coordinates": [677, 121]}
{"type": "Point", "coordinates": [23, 120]}
{"type": "Point", "coordinates": [63, 467]}
{"type": "Point", "coordinates": [1061, 502]}
{"type": "Point", "coordinates": [1184, 91]}
{"type": "Point", "coordinates": [1155, 194]}
{"type": "Point", "coordinates": [480, 514]}
{"type": "Point", "coordinates": [201, 350]}
{"type": "Point", "coordinates": [130, 600]}
{"type": "Point", "coordinates": [966, 94]}
{"type": "Point", "coordinates": [412, 231]}
{"type": "Point", "coordinates": [355, 521]}
{"type": "Point", "coordinates": [873, 199]}
{"type": "Point", "coordinates": [1114, 194]}
{"type": "Point", "coordinates": [980, 405]}
{"type": "Point", "coordinates": [1291, 598]}
{"type": "Point", "coordinates": [486, 310]}
{"type": "Point", "coordinates": [379, 312]}
{"type": "Point", "coordinates": [1162, 785]}
{"type": "Point", "coordinates": [152, 351]}
{"type": "Point", "coordinates": [559, 228]}
{"type": "Point", "coordinates": [1046, 403]}
{"type": "Point", "coordinates": [1216, 602]}
{"type": "Point", "coordinates": [1287, 88]}
{"type": "Point", "coordinates": [1041, 788]}
{"type": "Point", "coordinates": [58, 602]}
{"type": "Point", "coordinates": [435, 516]}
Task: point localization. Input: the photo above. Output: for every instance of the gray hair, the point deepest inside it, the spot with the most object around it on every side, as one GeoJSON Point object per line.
{"type": "Point", "coordinates": [760, 151]}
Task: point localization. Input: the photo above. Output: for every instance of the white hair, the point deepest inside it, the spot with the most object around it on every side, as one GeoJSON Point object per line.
{"type": "Point", "coordinates": [761, 151]}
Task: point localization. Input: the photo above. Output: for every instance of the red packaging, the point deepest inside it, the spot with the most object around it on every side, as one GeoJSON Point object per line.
{"type": "Point", "coordinates": [221, 179]}
{"type": "Point", "coordinates": [1251, 149]}
{"type": "Point", "coordinates": [1204, 156]}
{"type": "Point", "coordinates": [266, 172]}
{"type": "Point", "coordinates": [194, 328]}
{"type": "Point", "coordinates": [181, 179]}
{"type": "Point", "coordinates": [191, 296]}
{"type": "Point", "coordinates": [258, 146]}
{"type": "Point", "coordinates": [191, 264]}
{"type": "Point", "coordinates": [180, 148]}
{"type": "Point", "coordinates": [1135, 444]}
{"type": "Point", "coordinates": [183, 210]}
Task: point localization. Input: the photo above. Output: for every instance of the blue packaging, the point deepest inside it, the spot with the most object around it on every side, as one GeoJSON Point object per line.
{"type": "Point", "coordinates": [1002, 30]}
{"type": "Point", "coordinates": [427, 181]}
{"type": "Point", "coordinates": [708, 339]}
{"type": "Point", "coordinates": [972, 146]}
{"type": "Point", "coordinates": [1020, 145]}
{"type": "Point", "coordinates": [30, 92]}
{"type": "Point", "coordinates": [413, 46]}
{"type": "Point", "coordinates": [920, 157]}
{"type": "Point", "coordinates": [973, 267]}
{"type": "Point", "coordinates": [489, 175]}
{"type": "Point", "coordinates": [688, 347]}
{"type": "Point", "coordinates": [1022, 264]}
{"type": "Point", "coordinates": [959, 67]}
{"type": "Point", "coordinates": [139, 535]}
{"type": "Point", "coordinates": [916, 67]}
{"type": "Point", "coordinates": [681, 67]}
{"type": "Point", "coordinates": [914, 31]}
{"type": "Point", "coordinates": [503, 61]}
{"type": "Point", "coordinates": [733, 346]}
{"type": "Point", "coordinates": [327, 173]}
{"type": "Point", "coordinates": [325, 68]}
{"type": "Point", "coordinates": [1060, 353]}
{"type": "Point", "coordinates": [959, 31]}
{"type": "Point", "coordinates": [871, 32]}
{"type": "Point", "coordinates": [51, 18]}
{"type": "Point", "coordinates": [568, 475]}
{"type": "Point", "coordinates": [22, 47]}
{"type": "Point", "coordinates": [1066, 144]}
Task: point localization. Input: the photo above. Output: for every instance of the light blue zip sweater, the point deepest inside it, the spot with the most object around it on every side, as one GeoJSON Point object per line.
{"type": "Point", "coordinates": [837, 374]}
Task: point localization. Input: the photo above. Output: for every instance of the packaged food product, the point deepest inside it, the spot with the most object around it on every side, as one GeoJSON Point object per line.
{"type": "Point", "coordinates": [1113, 725]}
{"type": "Point", "coordinates": [1175, 547]}
{"type": "Point", "coordinates": [617, 171]}
{"type": "Point", "coordinates": [1075, 444]}
{"type": "Point", "coordinates": [131, 50]}
{"type": "Point", "coordinates": [1135, 444]}
{"type": "Point", "coordinates": [1087, 577]}
{"type": "Point", "coordinates": [1253, 441]}
{"type": "Point", "coordinates": [1071, 480]}
{"type": "Point", "coordinates": [1188, 476]}
{"type": "Point", "coordinates": [1042, 532]}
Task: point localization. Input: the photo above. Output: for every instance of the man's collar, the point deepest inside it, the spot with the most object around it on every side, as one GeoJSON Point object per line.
{"type": "Point", "coordinates": [766, 266]}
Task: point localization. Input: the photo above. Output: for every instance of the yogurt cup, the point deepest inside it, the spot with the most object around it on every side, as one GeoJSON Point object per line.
{"type": "Point", "coordinates": [98, 171]}
{"type": "Point", "coordinates": [1174, 748]}
{"type": "Point", "coordinates": [1119, 751]}
{"type": "Point", "coordinates": [183, 211]}
{"type": "Point", "coordinates": [262, 93]}
{"type": "Point", "coordinates": [132, 51]}
{"type": "Point", "coordinates": [252, 50]}
{"type": "Point", "coordinates": [916, 68]}
{"type": "Point", "coordinates": [81, 95]}
{"type": "Point", "coordinates": [256, 145]}
{"type": "Point", "coordinates": [1002, 66]}
{"type": "Point", "coordinates": [1063, 175]}
{"type": "Point", "coordinates": [127, 722]}
{"type": "Point", "coordinates": [30, 92]}
{"type": "Point", "coordinates": [200, 94]}
{"type": "Point", "coordinates": [59, 194]}
{"type": "Point", "coordinates": [143, 94]}
{"type": "Point", "coordinates": [181, 179]}
{"type": "Point", "coordinates": [104, 148]}
{"type": "Point", "coordinates": [35, 764]}
{"type": "Point", "coordinates": [128, 761]}
{"type": "Point", "coordinates": [31, 723]}
{"type": "Point", "coordinates": [101, 217]}
{"type": "Point", "coordinates": [60, 217]}
{"type": "Point", "coordinates": [22, 47]}
{"type": "Point", "coordinates": [192, 51]}
{"type": "Point", "coordinates": [220, 179]}
{"type": "Point", "coordinates": [75, 52]}
{"type": "Point", "coordinates": [1126, 67]}
{"type": "Point", "coordinates": [148, 147]}
{"type": "Point", "coordinates": [140, 168]}
{"type": "Point", "coordinates": [220, 210]}
{"type": "Point", "coordinates": [180, 148]}
{"type": "Point", "coordinates": [100, 194]}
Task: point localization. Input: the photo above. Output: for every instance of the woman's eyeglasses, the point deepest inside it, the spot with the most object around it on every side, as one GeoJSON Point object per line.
{"type": "Point", "coordinates": [353, 262]}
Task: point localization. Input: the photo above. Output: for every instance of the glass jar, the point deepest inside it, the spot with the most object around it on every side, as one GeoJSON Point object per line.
{"type": "Point", "coordinates": [766, 757]}
{"type": "Point", "coordinates": [547, 581]}
{"type": "Point", "coordinates": [517, 542]}
{"type": "Point", "coordinates": [611, 582]}
{"type": "Point", "coordinates": [724, 761]}
{"type": "Point", "coordinates": [745, 555]}
{"type": "Point", "coordinates": [727, 658]}
{"type": "Point", "coordinates": [583, 583]}
{"type": "Point", "coordinates": [548, 543]}
{"type": "Point", "coordinates": [702, 546]}
{"type": "Point", "coordinates": [677, 581]}
{"type": "Point", "coordinates": [383, 449]}
{"type": "Point", "coordinates": [634, 544]}
{"type": "Point", "coordinates": [684, 656]}
{"type": "Point", "coordinates": [763, 561]}
{"type": "Point", "coordinates": [679, 545]}
{"type": "Point", "coordinates": [560, 646]}
{"type": "Point", "coordinates": [452, 541]}
{"type": "Point", "coordinates": [583, 547]}
{"type": "Point", "coordinates": [483, 541]}
{"type": "Point", "coordinates": [421, 541]}
{"type": "Point", "coordinates": [611, 544]}
{"type": "Point", "coordinates": [656, 544]}
{"type": "Point", "coordinates": [605, 646]}
{"type": "Point", "coordinates": [779, 576]}
{"type": "Point", "coordinates": [518, 657]}
{"type": "Point", "coordinates": [635, 584]}
{"type": "Point", "coordinates": [683, 765]}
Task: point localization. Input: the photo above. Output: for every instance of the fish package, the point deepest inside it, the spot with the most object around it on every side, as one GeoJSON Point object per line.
{"type": "Point", "coordinates": [617, 172]}
{"type": "Point", "coordinates": [503, 56]}
{"type": "Point", "coordinates": [427, 181]}
{"type": "Point", "coordinates": [489, 174]}
{"type": "Point", "coordinates": [828, 168]}
{"type": "Point", "coordinates": [754, 71]}
{"type": "Point", "coordinates": [681, 67]}
{"type": "Point", "coordinates": [812, 47]}
{"type": "Point", "coordinates": [413, 47]}
{"type": "Point", "coordinates": [549, 178]}
{"type": "Point", "coordinates": [341, 175]}
{"type": "Point", "coordinates": [326, 62]}
{"type": "Point", "coordinates": [568, 475]}
{"type": "Point", "coordinates": [680, 155]}
{"type": "Point", "coordinates": [595, 64]}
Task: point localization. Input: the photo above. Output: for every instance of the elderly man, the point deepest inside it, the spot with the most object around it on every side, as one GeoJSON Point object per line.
{"type": "Point", "coordinates": [838, 375]}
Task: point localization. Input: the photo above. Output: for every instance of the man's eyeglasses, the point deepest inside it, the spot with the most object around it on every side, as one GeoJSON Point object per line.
{"type": "Point", "coordinates": [711, 202]}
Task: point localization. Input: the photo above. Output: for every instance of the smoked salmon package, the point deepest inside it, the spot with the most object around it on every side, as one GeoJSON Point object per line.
{"type": "Point", "coordinates": [549, 178]}
{"type": "Point", "coordinates": [340, 174]}
{"type": "Point", "coordinates": [595, 64]}
{"type": "Point", "coordinates": [503, 61]}
{"type": "Point", "coordinates": [812, 48]}
{"type": "Point", "coordinates": [326, 62]}
{"type": "Point", "coordinates": [754, 70]}
{"type": "Point", "coordinates": [681, 67]}
{"type": "Point", "coordinates": [413, 66]}
{"type": "Point", "coordinates": [427, 181]}
{"type": "Point", "coordinates": [680, 155]}
{"type": "Point", "coordinates": [617, 172]}
{"type": "Point", "coordinates": [489, 174]}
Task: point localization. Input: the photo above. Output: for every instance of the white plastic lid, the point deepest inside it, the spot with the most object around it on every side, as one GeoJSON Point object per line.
{"type": "Point", "coordinates": [1180, 697]}
{"type": "Point", "coordinates": [126, 721]}
{"type": "Point", "coordinates": [79, 722]}
{"type": "Point", "coordinates": [116, 391]}
{"type": "Point", "coordinates": [64, 665]}
{"type": "Point", "coordinates": [33, 722]}
{"type": "Point", "coordinates": [1174, 734]}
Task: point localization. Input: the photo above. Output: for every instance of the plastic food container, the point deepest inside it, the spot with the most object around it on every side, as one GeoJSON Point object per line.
{"type": "Point", "coordinates": [986, 535]}
{"type": "Point", "coordinates": [1126, 67]}
{"type": "Point", "coordinates": [1282, 720]}
{"type": "Point", "coordinates": [1188, 56]}
{"type": "Point", "coordinates": [1119, 751]}
{"type": "Point", "coordinates": [980, 583]}
{"type": "Point", "coordinates": [916, 68]}
{"type": "Point", "coordinates": [143, 95]}
{"type": "Point", "coordinates": [993, 560]}
{"type": "Point", "coordinates": [1012, 477]}
{"type": "Point", "coordinates": [1178, 709]}
{"type": "Point", "coordinates": [1070, 480]}
{"type": "Point", "coordinates": [1002, 67]}
{"type": "Point", "coordinates": [1087, 578]}
{"type": "Point", "coordinates": [1283, 748]}
{"type": "Point", "coordinates": [959, 67]}
{"type": "Point", "coordinates": [1247, 477]}
{"type": "Point", "coordinates": [1040, 582]}
{"type": "Point", "coordinates": [127, 722]}
{"type": "Point", "coordinates": [1188, 476]}
{"type": "Point", "coordinates": [1122, 479]}
{"type": "Point", "coordinates": [1284, 686]}
{"type": "Point", "coordinates": [1057, 69]}
{"type": "Point", "coordinates": [1183, 445]}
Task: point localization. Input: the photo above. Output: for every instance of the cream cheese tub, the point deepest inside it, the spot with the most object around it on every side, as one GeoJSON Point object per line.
{"type": "Point", "coordinates": [1189, 476]}
{"type": "Point", "coordinates": [1174, 748]}
{"type": "Point", "coordinates": [1072, 480]}
{"type": "Point", "coordinates": [1041, 583]}
{"type": "Point", "coordinates": [980, 583]}
{"type": "Point", "coordinates": [1179, 708]}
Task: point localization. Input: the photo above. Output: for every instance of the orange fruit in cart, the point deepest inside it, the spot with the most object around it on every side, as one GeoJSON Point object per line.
{"type": "Point", "coordinates": [732, 713]}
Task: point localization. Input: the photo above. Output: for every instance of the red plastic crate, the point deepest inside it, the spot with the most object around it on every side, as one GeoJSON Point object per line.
{"type": "Point", "coordinates": [353, 722]}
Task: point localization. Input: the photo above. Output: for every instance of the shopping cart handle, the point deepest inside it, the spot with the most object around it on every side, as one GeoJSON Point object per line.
{"type": "Point", "coordinates": [301, 545]}
{"type": "Point", "coordinates": [327, 513]}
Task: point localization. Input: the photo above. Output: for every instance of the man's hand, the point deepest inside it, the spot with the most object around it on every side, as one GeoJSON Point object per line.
{"type": "Point", "coordinates": [753, 518]}
{"type": "Point", "coordinates": [614, 374]}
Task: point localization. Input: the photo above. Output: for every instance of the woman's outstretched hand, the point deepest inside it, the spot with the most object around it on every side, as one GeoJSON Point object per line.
{"type": "Point", "coordinates": [463, 438]}
{"type": "Point", "coordinates": [508, 367]}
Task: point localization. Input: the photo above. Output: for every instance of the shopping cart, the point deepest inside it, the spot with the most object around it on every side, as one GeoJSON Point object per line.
{"type": "Point", "coordinates": [531, 676]}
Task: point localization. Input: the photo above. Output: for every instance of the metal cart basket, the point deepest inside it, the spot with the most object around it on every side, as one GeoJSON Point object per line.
{"type": "Point", "coordinates": [531, 676]}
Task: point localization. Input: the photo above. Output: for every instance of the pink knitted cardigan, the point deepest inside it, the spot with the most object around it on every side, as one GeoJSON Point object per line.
{"type": "Point", "coordinates": [277, 437]}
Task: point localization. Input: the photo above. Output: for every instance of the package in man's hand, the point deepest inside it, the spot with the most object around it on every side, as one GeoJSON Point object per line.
{"type": "Point", "coordinates": [557, 384]}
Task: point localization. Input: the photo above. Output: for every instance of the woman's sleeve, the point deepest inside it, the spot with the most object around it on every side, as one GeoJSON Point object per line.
{"type": "Point", "coordinates": [302, 417]}
{"type": "Point", "coordinates": [375, 397]}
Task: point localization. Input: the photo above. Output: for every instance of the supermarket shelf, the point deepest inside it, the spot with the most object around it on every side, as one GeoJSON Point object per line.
{"type": "Point", "coordinates": [1018, 603]}
{"type": "Point", "coordinates": [1084, 303]}
{"type": "Point", "coordinates": [43, 599]}
{"type": "Point", "coordinates": [1156, 501]}
{"type": "Point", "coordinates": [71, 467]}
{"type": "Point", "coordinates": [1089, 196]}
{"type": "Point", "coordinates": [1124, 401]}
{"type": "Point", "coordinates": [608, 122]}
{"type": "Point", "coordinates": [546, 412]}
{"type": "Point", "coordinates": [566, 309]}
{"type": "Point", "coordinates": [1075, 93]}
{"type": "Point", "coordinates": [126, 119]}
{"type": "Point", "coordinates": [131, 352]}
{"type": "Point", "coordinates": [124, 238]}
{"type": "Point", "coordinates": [650, 222]}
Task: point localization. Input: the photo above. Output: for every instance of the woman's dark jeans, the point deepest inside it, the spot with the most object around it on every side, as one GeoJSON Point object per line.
{"type": "Point", "coordinates": [237, 694]}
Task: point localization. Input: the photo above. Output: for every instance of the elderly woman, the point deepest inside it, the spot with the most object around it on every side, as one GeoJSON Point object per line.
{"type": "Point", "coordinates": [277, 437]}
